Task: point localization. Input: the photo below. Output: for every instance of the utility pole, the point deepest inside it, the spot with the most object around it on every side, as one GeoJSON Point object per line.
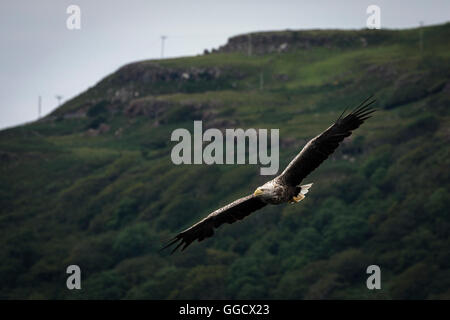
{"type": "Point", "coordinates": [421, 37]}
{"type": "Point", "coordinates": [59, 98]}
{"type": "Point", "coordinates": [39, 106]}
{"type": "Point", "coordinates": [249, 48]}
{"type": "Point", "coordinates": [163, 38]}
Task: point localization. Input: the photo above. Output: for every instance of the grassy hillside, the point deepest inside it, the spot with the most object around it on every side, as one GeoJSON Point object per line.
{"type": "Point", "coordinates": [92, 184]}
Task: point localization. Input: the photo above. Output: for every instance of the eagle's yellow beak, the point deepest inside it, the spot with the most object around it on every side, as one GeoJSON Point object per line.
{"type": "Point", "coordinates": [257, 192]}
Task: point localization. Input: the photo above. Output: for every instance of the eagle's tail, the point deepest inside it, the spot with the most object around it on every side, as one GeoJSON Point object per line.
{"type": "Point", "coordinates": [305, 188]}
{"type": "Point", "coordinates": [302, 190]}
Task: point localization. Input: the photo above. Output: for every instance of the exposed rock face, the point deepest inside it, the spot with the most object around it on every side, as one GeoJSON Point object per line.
{"type": "Point", "coordinates": [273, 42]}
{"type": "Point", "coordinates": [143, 79]}
{"type": "Point", "coordinates": [77, 114]}
{"type": "Point", "coordinates": [103, 128]}
{"type": "Point", "coordinates": [166, 111]}
{"type": "Point", "coordinates": [150, 107]}
{"type": "Point", "coordinates": [147, 73]}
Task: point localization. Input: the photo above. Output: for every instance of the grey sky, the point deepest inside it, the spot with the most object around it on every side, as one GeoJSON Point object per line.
{"type": "Point", "coordinates": [40, 56]}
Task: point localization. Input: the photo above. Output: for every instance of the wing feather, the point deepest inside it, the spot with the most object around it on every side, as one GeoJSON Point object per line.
{"type": "Point", "coordinates": [237, 210]}
{"type": "Point", "coordinates": [322, 146]}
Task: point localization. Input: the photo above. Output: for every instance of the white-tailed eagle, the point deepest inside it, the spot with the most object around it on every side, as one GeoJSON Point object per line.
{"type": "Point", "coordinates": [285, 187]}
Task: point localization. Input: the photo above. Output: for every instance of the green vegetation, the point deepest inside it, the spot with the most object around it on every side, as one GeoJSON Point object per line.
{"type": "Point", "coordinates": [93, 184]}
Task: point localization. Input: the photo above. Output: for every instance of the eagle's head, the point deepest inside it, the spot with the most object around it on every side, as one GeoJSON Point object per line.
{"type": "Point", "coordinates": [267, 190]}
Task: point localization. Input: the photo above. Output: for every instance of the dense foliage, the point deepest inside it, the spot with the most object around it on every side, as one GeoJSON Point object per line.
{"type": "Point", "coordinates": [93, 183]}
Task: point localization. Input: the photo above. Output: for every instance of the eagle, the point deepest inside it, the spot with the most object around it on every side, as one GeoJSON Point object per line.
{"type": "Point", "coordinates": [284, 188]}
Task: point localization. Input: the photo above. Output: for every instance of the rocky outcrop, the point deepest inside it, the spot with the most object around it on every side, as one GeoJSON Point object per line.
{"type": "Point", "coordinates": [102, 128]}
{"type": "Point", "coordinates": [152, 72]}
{"type": "Point", "coordinates": [273, 42]}
{"type": "Point", "coordinates": [149, 106]}
{"type": "Point", "coordinates": [161, 111]}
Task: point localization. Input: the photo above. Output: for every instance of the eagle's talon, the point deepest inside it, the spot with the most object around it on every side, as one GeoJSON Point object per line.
{"type": "Point", "coordinates": [299, 198]}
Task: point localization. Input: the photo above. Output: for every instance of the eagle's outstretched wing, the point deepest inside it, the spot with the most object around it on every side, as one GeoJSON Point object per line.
{"type": "Point", "coordinates": [232, 212]}
{"type": "Point", "coordinates": [322, 146]}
